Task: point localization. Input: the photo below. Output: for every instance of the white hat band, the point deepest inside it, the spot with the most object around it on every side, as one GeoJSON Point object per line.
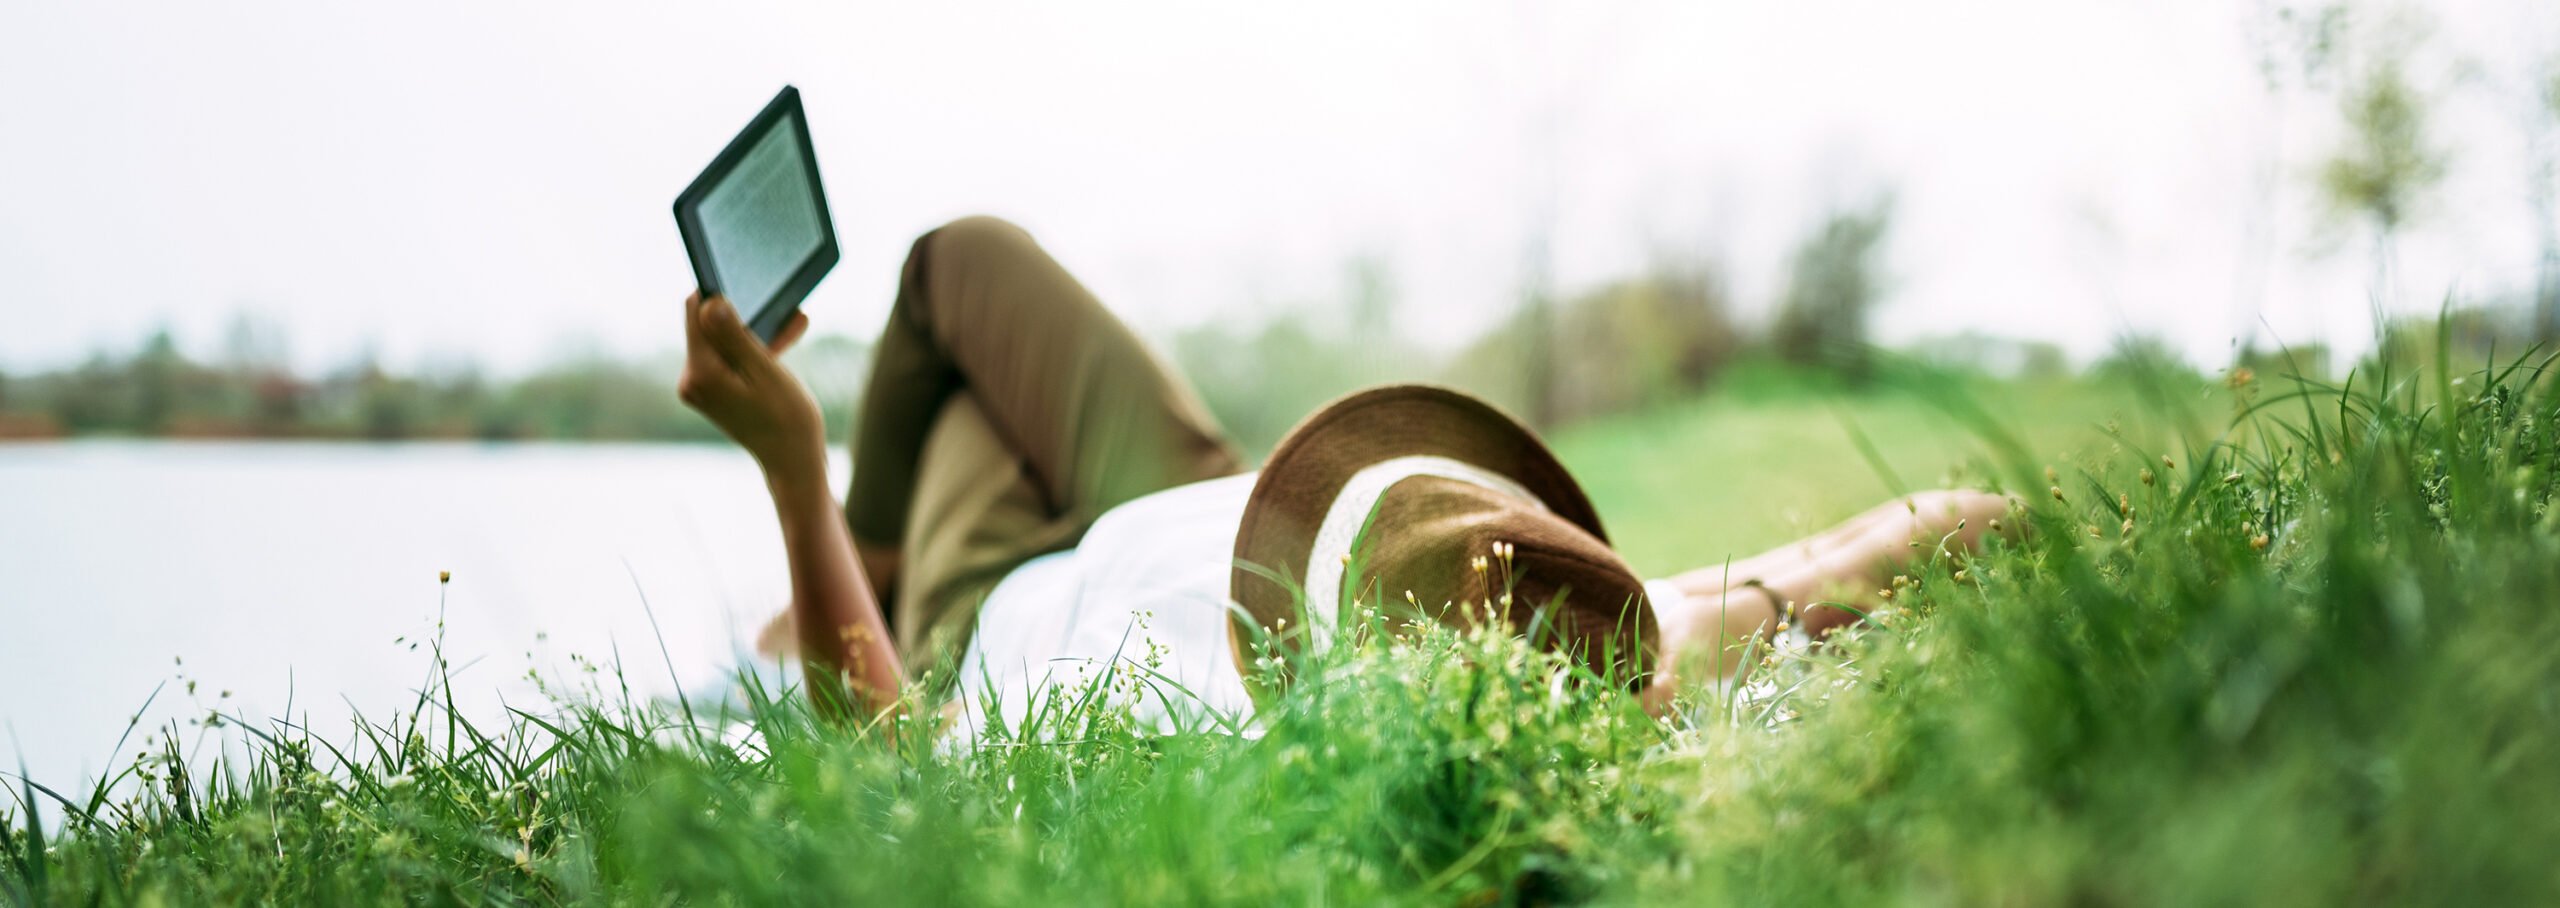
{"type": "Point", "coordinates": [1349, 514]}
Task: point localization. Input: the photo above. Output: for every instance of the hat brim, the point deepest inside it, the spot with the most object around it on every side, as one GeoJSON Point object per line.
{"type": "Point", "coordinates": [1309, 467]}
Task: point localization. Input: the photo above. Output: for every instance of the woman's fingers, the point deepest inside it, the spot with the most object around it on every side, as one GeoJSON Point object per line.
{"type": "Point", "coordinates": [707, 375]}
{"type": "Point", "coordinates": [791, 332]}
{"type": "Point", "coordinates": [694, 348]}
{"type": "Point", "coordinates": [729, 338]}
{"type": "Point", "coordinates": [701, 332]}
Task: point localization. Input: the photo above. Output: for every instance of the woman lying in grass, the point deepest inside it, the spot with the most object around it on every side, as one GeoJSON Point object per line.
{"type": "Point", "coordinates": [1038, 499]}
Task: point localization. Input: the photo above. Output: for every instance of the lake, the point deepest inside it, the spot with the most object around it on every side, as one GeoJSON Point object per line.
{"type": "Point", "coordinates": [305, 574]}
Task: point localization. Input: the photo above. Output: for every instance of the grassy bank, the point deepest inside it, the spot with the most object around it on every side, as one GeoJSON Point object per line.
{"type": "Point", "coordinates": [2303, 655]}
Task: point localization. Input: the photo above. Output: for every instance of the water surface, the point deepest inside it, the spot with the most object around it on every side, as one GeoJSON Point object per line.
{"type": "Point", "coordinates": [305, 573]}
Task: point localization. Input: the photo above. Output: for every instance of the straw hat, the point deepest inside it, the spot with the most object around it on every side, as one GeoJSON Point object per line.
{"type": "Point", "coordinates": [1390, 497]}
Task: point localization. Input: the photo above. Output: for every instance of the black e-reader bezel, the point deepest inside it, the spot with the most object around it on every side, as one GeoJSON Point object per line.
{"type": "Point", "coordinates": [782, 113]}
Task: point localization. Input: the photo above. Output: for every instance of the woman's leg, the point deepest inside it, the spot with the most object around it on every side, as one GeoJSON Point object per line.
{"type": "Point", "coordinates": [974, 515]}
{"type": "Point", "coordinates": [1087, 416]}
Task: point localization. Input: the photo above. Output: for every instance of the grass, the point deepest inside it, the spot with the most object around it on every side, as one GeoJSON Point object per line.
{"type": "Point", "coordinates": [2307, 658]}
{"type": "Point", "coordinates": [1773, 457]}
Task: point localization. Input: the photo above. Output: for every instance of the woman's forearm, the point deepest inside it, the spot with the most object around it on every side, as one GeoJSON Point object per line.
{"type": "Point", "coordinates": [844, 641]}
{"type": "Point", "coordinates": [732, 377]}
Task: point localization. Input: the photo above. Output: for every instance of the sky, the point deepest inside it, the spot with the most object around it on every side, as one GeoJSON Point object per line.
{"type": "Point", "coordinates": [490, 182]}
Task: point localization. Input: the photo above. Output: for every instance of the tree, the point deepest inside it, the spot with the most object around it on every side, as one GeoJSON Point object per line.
{"type": "Point", "coordinates": [255, 344]}
{"type": "Point", "coordinates": [158, 371]}
{"type": "Point", "coordinates": [2546, 208]}
{"type": "Point", "coordinates": [1833, 284]}
{"type": "Point", "coordinates": [2297, 47]}
{"type": "Point", "coordinates": [2386, 166]}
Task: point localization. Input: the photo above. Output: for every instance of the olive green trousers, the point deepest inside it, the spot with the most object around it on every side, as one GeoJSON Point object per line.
{"type": "Point", "coordinates": [1006, 410]}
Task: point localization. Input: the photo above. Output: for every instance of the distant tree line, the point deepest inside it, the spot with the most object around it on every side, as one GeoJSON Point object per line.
{"type": "Point", "coordinates": [249, 391]}
{"type": "Point", "coordinates": [1659, 336]}
{"type": "Point", "coordinates": [1670, 333]}
{"type": "Point", "coordinates": [1645, 340]}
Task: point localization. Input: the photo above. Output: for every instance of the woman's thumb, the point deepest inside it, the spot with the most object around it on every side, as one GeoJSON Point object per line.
{"type": "Point", "coordinates": [727, 333]}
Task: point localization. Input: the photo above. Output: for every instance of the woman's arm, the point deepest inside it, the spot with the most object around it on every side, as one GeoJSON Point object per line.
{"type": "Point", "coordinates": [1726, 606]}
{"type": "Point", "coordinates": [843, 639]}
{"type": "Point", "coordinates": [734, 380]}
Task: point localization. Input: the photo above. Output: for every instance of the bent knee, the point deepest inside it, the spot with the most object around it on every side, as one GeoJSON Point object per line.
{"type": "Point", "coordinates": [976, 238]}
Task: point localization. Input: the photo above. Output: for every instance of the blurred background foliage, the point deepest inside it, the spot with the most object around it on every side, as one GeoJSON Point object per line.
{"type": "Point", "coordinates": [1656, 339]}
{"type": "Point", "coordinates": [250, 391]}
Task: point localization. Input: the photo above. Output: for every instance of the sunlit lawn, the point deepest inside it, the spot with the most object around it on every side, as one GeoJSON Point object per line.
{"type": "Point", "coordinates": [1770, 458]}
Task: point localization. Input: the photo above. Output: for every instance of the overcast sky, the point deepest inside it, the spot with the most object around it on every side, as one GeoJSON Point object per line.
{"type": "Point", "coordinates": [490, 181]}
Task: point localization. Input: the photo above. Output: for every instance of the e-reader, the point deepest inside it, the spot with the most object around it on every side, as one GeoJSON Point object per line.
{"type": "Point", "coordinates": [755, 222]}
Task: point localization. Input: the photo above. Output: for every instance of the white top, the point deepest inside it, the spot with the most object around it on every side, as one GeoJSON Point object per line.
{"type": "Point", "coordinates": [1143, 598]}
